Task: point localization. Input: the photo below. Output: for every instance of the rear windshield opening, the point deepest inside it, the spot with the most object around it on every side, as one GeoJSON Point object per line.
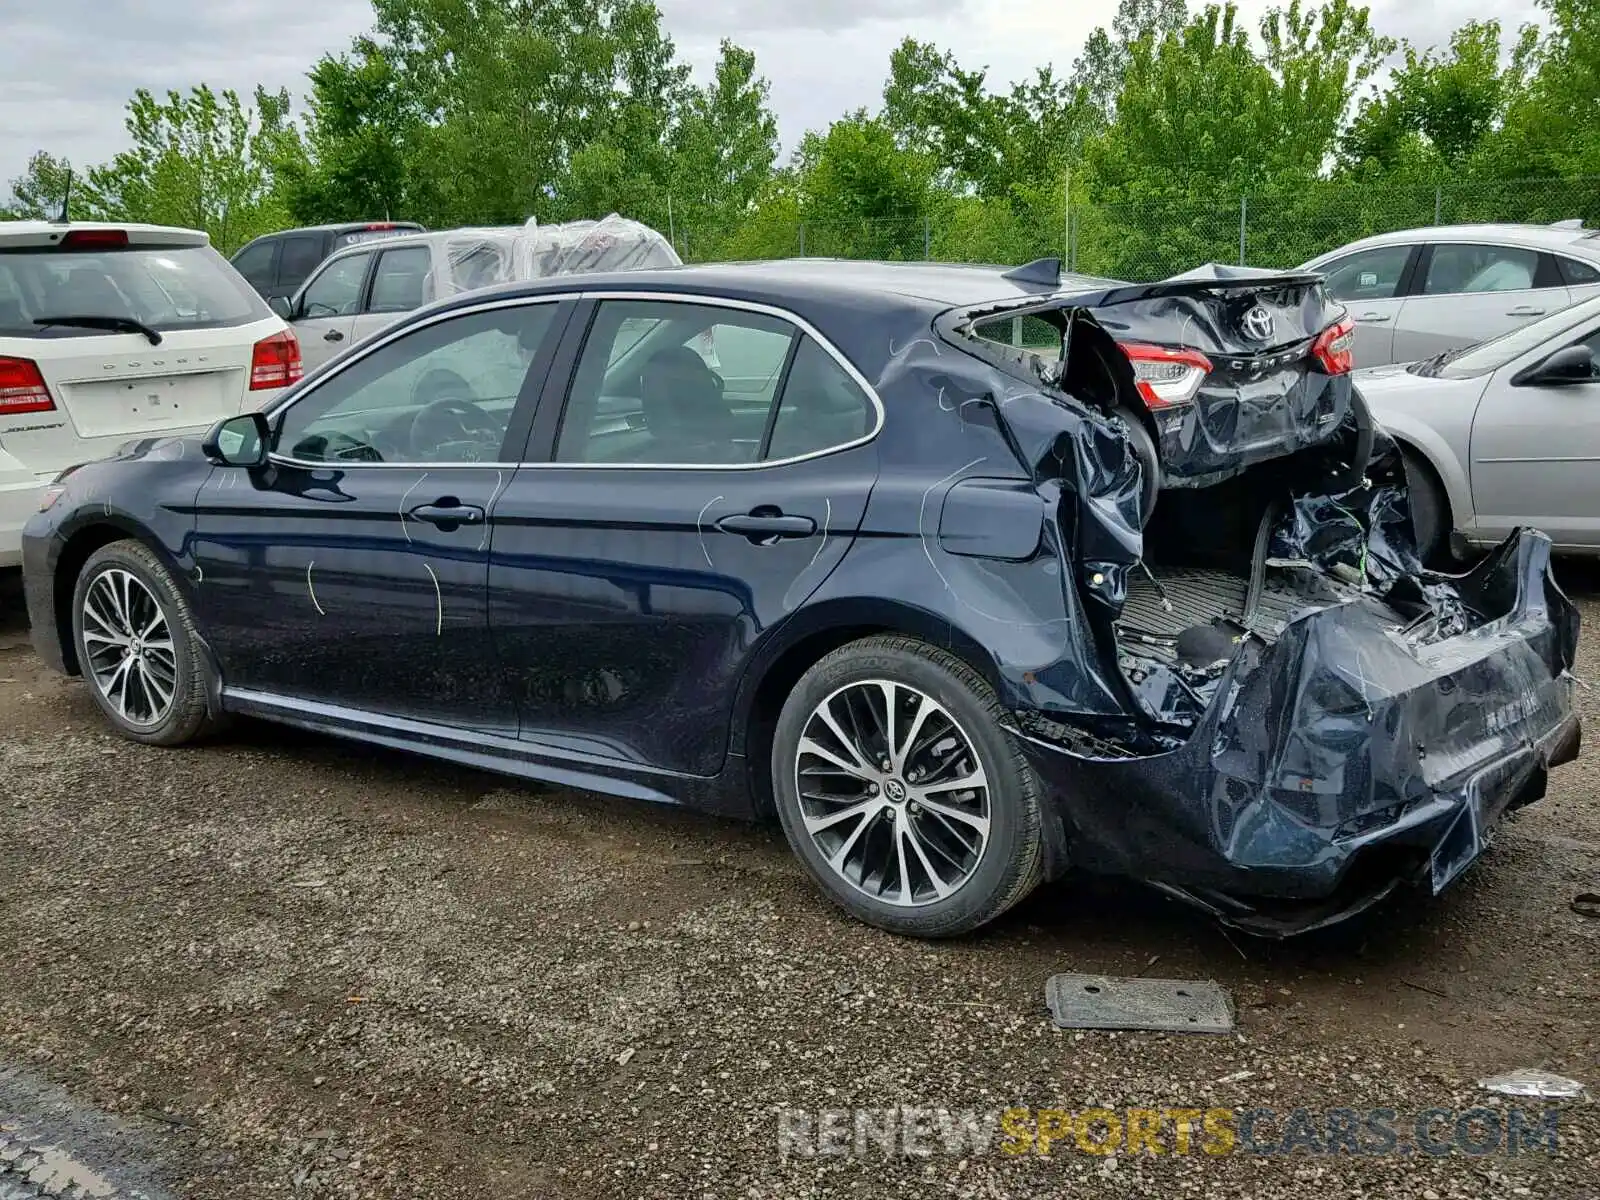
{"type": "Point", "coordinates": [167, 288]}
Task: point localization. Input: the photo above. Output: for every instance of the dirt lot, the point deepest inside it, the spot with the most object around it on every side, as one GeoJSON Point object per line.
{"type": "Point", "coordinates": [287, 965]}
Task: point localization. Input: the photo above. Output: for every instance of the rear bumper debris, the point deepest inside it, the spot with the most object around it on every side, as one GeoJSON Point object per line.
{"type": "Point", "coordinates": [1345, 759]}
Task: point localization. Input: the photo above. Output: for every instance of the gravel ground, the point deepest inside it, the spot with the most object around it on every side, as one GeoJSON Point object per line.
{"type": "Point", "coordinates": [284, 965]}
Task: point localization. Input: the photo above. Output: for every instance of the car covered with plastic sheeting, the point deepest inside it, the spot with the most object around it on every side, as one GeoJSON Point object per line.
{"type": "Point", "coordinates": [893, 578]}
{"type": "Point", "coordinates": [366, 286]}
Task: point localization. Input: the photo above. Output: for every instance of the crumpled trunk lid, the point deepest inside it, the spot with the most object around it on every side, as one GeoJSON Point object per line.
{"type": "Point", "coordinates": [1252, 385]}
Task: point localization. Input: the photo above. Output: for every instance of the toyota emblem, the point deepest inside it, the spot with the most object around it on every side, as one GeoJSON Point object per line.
{"type": "Point", "coordinates": [1258, 324]}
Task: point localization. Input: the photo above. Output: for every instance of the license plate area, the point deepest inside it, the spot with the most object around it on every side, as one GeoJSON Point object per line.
{"type": "Point", "coordinates": [129, 406]}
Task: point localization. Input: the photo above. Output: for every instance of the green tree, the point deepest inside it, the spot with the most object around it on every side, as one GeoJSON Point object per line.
{"type": "Point", "coordinates": [37, 193]}
{"type": "Point", "coordinates": [549, 107]}
{"type": "Point", "coordinates": [362, 128]}
{"type": "Point", "coordinates": [723, 145]}
{"type": "Point", "coordinates": [1440, 109]}
{"type": "Point", "coordinates": [202, 160]}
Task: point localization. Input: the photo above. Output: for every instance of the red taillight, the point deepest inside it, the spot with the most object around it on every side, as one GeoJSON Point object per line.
{"type": "Point", "coordinates": [381, 225]}
{"type": "Point", "coordinates": [93, 239]}
{"type": "Point", "coordinates": [22, 388]}
{"type": "Point", "coordinates": [1166, 376]}
{"type": "Point", "coordinates": [1333, 348]}
{"type": "Point", "coordinates": [275, 362]}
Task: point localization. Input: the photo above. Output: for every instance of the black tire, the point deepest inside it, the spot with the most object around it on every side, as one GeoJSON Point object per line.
{"type": "Point", "coordinates": [1144, 449]}
{"type": "Point", "coordinates": [1430, 510]}
{"type": "Point", "coordinates": [1010, 862]}
{"type": "Point", "coordinates": [186, 716]}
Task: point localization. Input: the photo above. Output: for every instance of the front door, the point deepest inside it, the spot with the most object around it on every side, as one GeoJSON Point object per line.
{"type": "Point", "coordinates": [1536, 455]}
{"type": "Point", "coordinates": [352, 569]}
{"type": "Point", "coordinates": [1370, 283]}
{"type": "Point", "coordinates": [325, 312]}
{"type": "Point", "coordinates": [683, 514]}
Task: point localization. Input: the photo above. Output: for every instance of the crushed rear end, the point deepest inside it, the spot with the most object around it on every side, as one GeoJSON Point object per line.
{"type": "Point", "coordinates": [1288, 716]}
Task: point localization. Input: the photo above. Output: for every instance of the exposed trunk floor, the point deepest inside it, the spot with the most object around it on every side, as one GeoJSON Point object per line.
{"type": "Point", "coordinates": [1199, 596]}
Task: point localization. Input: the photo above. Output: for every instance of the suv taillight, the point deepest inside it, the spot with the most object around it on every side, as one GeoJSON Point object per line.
{"type": "Point", "coordinates": [275, 362]}
{"type": "Point", "coordinates": [22, 388]}
{"type": "Point", "coordinates": [1166, 376]}
{"type": "Point", "coordinates": [1333, 348]}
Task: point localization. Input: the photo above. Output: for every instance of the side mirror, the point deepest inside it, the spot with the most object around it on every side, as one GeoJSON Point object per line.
{"type": "Point", "coordinates": [281, 306]}
{"type": "Point", "coordinates": [1571, 364]}
{"type": "Point", "coordinates": [240, 441]}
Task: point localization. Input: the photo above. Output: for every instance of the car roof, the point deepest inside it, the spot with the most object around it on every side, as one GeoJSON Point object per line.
{"type": "Point", "coordinates": [1563, 236]}
{"type": "Point", "coordinates": [43, 233]}
{"type": "Point", "coordinates": [806, 281]}
{"type": "Point", "coordinates": [335, 227]}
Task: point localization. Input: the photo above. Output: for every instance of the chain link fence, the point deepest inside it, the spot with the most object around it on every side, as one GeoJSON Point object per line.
{"type": "Point", "coordinates": [1156, 237]}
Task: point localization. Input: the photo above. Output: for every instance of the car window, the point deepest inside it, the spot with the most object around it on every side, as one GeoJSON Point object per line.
{"type": "Point", "coordinates": [398, 284]}
{"type": "Point", "coordinates": [1464, 269]}
{"type": "Point", "coordinates": [441, 393]}
{"type": "Point", "coordinates": [255, 264]}
{"type": "Point", "coordinates": [822, 406]}
{"type": "Point", "coordinates": [337, 291]}
{"type": "Point", "coordinates": [1367, 274]}
{"type": "Point", "coordinates": [673, 383]}
{"type": "Point", "coordinates": [166, 287]}
{"type": "Point", "coordinates": [299, 258]}
{"type": "Point", "coordinates": [1577, 273]}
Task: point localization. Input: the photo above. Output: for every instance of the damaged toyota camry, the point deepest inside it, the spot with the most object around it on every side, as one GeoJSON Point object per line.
{"type": "Point", "coordinates": [969, 576]}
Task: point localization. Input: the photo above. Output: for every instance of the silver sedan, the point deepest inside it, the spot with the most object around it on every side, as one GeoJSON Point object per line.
{"type": "Point", "coordinates": [1502, 434]}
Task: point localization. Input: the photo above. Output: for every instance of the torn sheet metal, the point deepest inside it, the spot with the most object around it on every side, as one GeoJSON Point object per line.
{"type": "Point", "coordinates": [1349, 724]}
{"type": "Point", "coordinates": [1161, 1005]}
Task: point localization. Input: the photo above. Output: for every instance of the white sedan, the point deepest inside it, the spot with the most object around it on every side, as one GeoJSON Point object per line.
{"type": "Point", "coordinates": [1502, 434]}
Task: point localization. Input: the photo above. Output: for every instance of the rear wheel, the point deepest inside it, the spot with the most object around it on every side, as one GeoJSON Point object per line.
{"type": "Point", "coordinates": [137, 647]}
{"type": "Point", "coordinates": [901, 793]}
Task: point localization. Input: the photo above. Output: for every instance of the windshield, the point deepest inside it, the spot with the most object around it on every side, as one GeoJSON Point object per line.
{"type": "Point", "coordinates": [1497, 352]}
{"type": "Point", "coordinates": [166, 288]}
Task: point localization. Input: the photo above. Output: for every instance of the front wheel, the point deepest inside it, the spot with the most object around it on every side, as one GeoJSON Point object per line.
{"type": "Point", "coordinates": [901, 793]}
{"type": "Point", "coordinates": [137, 646]}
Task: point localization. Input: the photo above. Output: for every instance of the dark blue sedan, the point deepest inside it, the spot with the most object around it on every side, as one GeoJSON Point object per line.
{"type": "Point", "coordinates": [968, 575]}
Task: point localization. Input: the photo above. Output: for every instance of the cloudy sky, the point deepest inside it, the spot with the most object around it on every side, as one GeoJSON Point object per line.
{"type": "Point", "coordinates": [69, 66]}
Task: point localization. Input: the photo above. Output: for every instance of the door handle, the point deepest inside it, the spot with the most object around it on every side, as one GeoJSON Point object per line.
{"type": "Point", "coordinates": [1524, 310]}
{"type": "Point", "coordinates": [447, 514]}
{"type": "Point", "coordinates": [1373, 318]}
{"type": "Point", "coordinates": [760, 526]}
{"type": "Point", "coordinates": [333, 335]}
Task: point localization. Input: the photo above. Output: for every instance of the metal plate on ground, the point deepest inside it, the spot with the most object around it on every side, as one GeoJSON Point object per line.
{"type": "Point", "coordinates": [1116, 1002]}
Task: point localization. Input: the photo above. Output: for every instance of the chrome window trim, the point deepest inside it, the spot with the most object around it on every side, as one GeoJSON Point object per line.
{"type": "Point", "coordinates": [379, 341]}
{"type": "Point", "coordinates": [695, 298]}
{"type": "Point", "coordinates": [782, 314]}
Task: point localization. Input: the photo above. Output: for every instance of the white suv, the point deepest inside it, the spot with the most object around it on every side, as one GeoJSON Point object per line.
{"type": "Point", "coordinates": [115, 332]}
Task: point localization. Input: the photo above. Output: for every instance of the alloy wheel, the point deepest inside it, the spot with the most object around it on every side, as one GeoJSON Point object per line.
{"type": "Point", "coordinates": [129, 647]}
{"type": "Point", "coordinates": [892, 793]}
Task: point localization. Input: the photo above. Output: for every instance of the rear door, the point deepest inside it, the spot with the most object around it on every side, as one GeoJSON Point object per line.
{"type": "Point", "coordinates": [325, 310]}
{"type": "Point", "coordinates": [1468, 292]}
{"type": "Point", "coordinates": [399, 285]}
{"type": "Point", "coordinates": [669, 516]}
{"type": "Point", "coordinates": [1371, 284]}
